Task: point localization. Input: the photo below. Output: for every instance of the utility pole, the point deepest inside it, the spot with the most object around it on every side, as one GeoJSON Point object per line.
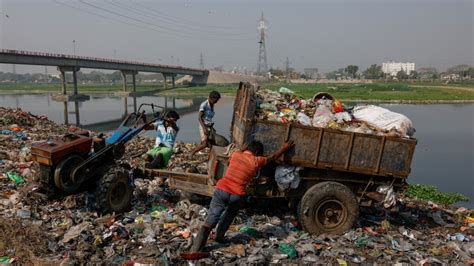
{"type": "Point", "coordinates": [262, 67]}
{"type": "Point", "coordinates": [201, 62]}
{"type": "Point", "coordinates": [287, 69]}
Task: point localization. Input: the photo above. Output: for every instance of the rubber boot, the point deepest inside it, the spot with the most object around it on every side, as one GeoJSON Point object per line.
{"type": "Point", "coordinates": [201, 239]}
{"type": "Point", "coordinates": [223, 226]}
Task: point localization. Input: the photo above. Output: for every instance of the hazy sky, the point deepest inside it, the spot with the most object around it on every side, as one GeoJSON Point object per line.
{"type": "Point", "coordinates": [322, 34]}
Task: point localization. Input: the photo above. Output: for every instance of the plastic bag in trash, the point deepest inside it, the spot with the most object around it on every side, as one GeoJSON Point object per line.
{"type": "Point", "coordinates": [304, 119]}
{"type": "Point", "coordinates": [390, 198]}
{"type": "Point", "coordinates": [268, 106]}
{"type": "Point", "coordinates": [285, 90]}
{"type": "Point", "coordinates": [322, 116]}
{"type": "Point", "coordinates": [287, 176]}
{"type": "Point", "coordinates": [383, 118]}
{"type": "Point", "coordinates": [342, 117]}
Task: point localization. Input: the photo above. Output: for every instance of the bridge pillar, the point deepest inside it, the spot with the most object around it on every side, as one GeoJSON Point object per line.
{"type": "Point", "coordinates": [63, 82]}
{"type": "Point", "coordinates": [134, 82]}
{"type": "Point", "coordinates": [74, 80]}
{"type": "Point", "coordinates": [63, 95]}
{"type": "Point", "coordinates": [172, 79]}
{"type": "Point", "coordinates": [124, 80]}
{"type": "Point", "coordinates": [165, 85]}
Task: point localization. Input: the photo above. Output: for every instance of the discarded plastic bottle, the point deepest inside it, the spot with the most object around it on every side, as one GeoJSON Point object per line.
{"type": "Point", "coordinates": [15, 178]}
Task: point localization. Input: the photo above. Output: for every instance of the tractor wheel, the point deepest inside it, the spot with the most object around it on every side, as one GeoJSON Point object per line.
{"type": "Point", "coordinates": [63, 174]}
{"type": "Point", "coordinates": [113, 192]}
{"type": "Point", "coordinates": [328, 207]}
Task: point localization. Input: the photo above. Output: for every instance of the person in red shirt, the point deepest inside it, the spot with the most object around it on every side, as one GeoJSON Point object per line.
{"type": "Point", "coordinates": [230, 192]}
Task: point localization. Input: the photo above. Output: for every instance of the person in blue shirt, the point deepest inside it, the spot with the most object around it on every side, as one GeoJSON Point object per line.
{"type": "Point", "coordinates": [206, 113]}
{"type": "Point", "coordinates": [166, 131]}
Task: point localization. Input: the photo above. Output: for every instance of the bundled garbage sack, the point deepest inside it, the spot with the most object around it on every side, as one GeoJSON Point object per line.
{"type": "Point", "coordinates": [287, 176]}
{"type": "Point", "coordinates": [384, 119]}
{"type": "Point", "coordinates": [323, 110]}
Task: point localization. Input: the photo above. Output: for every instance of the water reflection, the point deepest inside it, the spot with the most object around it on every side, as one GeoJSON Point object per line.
{"type": "Point", "coordinates": [129, 105]}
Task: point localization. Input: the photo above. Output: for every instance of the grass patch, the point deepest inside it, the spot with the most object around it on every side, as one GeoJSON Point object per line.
{"type": "Point", "coordinates": [428, 192]}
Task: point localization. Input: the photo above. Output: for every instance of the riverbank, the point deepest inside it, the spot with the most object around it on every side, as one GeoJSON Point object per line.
{"type": "Point", "coordinates": [159, 226]}
{"type": "Point", "coordinates": [421, 92]}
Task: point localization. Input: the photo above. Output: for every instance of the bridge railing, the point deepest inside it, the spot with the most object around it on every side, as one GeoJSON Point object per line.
{"type": "Point", "coordinates": [97, 59]}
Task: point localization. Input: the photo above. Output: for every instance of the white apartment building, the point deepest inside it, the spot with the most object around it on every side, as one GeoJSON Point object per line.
{"type": "Point", "coordinates": [392, 68]}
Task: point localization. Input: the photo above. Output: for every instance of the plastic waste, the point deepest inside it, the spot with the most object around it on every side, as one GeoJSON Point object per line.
{"type": "Point", "coordinates": [287, 176]}
{"type": "Point", "coordinates": [75, 231]}
{"type": "Point", "coordinates": [15, 178]}
{"type": "Point", "coordinates": [289, 250]}
{"type": "Point", "coordinates": [342, 117]}
{"type": "Point", "coordinates": [361, 241]}
{"type": "Point", "coordinates": [4, 259]}
{"type": "Point", "coordinates": [23, 214]}
{"type": "Point", "coordinates": [303, 119]}
{"type": "Point", "coordinates": [384, 119]}
{"type": "Point", "coordinates": [436, 216]}
{"type": "Point", "coordinates": [322, 116]}
{"type": "Point", "coordinates": [268, 106]}
{"type": "Point", "coordinates": [341, 262]}
{"type": "Point", "coordinates": [457, 237]}
{"type": "Point", "coordinates": [249, 231]}
{"type": "Point", "coordinates": [390, 198]}
{"type": "Point", "coordinates": [285, 90]}
{"type": "Point", "coordinates": [337, 106]}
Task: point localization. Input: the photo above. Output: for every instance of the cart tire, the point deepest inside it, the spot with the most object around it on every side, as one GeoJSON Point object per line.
{"type": "Point", "coordinates": [328, 207]}
{"type": "Point", "coordinates": [113, 192]}
{"type": "Point", "coordinates": [63, 174]}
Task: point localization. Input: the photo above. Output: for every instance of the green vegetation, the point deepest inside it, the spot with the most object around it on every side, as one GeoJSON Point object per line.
{"type": "Point", "coordinates": [427, 192]}
{"type": "Point", "coordinates": [418, 92]}
{"type": "Point", "coordinates": [396, 91]}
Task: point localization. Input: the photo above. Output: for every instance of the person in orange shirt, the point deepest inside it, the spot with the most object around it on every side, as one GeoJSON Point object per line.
{"type": "Point", "coordinates": [230, 192]}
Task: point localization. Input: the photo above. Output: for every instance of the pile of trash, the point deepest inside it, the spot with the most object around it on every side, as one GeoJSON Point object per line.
{"type": "Point", "coordinates": [325, 111]}
{"type": "Point", "coordinates": [161, 224]}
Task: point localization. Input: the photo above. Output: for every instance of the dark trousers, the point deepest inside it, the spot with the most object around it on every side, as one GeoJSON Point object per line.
{"type": "Point", "coordinates": [223, 201]}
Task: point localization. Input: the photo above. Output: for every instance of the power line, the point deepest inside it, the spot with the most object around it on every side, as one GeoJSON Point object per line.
{"type": "Point", "coordinates": [176, 19]}
{"type": "Point", "coordinates": [173, 31]}
{"type": "Point", "coordinates": [101, 16]}
{"type": "Point", "coordinates": [152, 15]}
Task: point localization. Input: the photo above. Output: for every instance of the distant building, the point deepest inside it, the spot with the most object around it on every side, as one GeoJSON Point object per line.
{"type": "Point", "coordinates": [392, 68]}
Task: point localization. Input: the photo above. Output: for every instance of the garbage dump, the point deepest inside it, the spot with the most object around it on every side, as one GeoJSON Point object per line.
{"type": "Point", "coordinates": [323, 110]}
{"type": "Point", "coordinates": [159, 226]}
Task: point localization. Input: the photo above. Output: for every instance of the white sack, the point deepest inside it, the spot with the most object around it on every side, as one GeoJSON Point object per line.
{"type": "Point", "coordinates": [384, 119]}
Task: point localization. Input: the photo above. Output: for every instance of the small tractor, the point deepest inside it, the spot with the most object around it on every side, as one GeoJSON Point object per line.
{"type": "Point", "coordinates": [76, 161]}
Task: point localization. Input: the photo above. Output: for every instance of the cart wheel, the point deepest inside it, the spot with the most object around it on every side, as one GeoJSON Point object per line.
{"type": "Point", "coordinates": [328, 207]}
{"type": "Point", "coordinates": [62, 174]}
{"type": "Point", "coordinates": [113, 192]}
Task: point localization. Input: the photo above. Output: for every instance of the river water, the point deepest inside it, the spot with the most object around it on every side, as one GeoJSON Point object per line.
{"type": "Point", "coordinates": [444, 155]}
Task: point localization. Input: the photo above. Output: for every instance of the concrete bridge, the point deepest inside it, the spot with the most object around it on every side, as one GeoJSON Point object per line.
{"type": "Point", "coordinates": [72, 63]}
